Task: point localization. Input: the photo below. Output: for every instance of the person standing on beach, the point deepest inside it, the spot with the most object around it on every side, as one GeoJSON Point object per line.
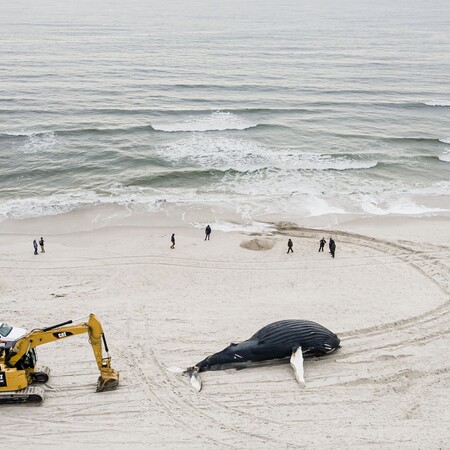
{"type": "Point", "coordinates": [35, 247]}
{"type": "Point", "coordinates": [332, 247]}
{"type": "Point", "coordinates": [41, 243]}
{"type": "Point", "coordinates": [207, 232]}
{"type": "Point", "coordinates": [290, 245]}
{"type": "Point", "coordinates": [322, 243]}
{"type": "Point", "coordinates": [172, 239]}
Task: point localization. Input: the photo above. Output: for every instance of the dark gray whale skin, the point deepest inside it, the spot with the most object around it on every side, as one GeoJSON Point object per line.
{"type": "Point", "coordinates": [276, 341]}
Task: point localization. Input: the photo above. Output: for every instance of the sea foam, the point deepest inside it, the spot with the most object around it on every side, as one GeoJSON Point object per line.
{"type": "Point", "coordinates": [39, 142]}
{"type": "Point", "coordinates": [243, 155]}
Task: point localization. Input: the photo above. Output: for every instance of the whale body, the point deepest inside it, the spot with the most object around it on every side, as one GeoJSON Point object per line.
{"type": "Point", "coordinates": [278, 341]}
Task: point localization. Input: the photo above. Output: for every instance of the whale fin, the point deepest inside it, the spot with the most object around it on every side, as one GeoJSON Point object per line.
{"type": "Point", "coordinates": [297, 365]}
{"type": "Point", "coordinates": [194, 378]}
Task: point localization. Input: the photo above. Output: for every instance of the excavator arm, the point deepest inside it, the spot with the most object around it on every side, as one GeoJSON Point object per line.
{"type": "Point", "coordinates": [109, 378]}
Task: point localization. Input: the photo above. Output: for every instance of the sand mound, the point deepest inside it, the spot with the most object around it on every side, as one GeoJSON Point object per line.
{"type": "Point", "coordinates": [258, 244]}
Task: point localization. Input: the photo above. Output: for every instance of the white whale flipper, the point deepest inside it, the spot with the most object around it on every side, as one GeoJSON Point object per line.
{"type": "Point", "coordinates": [297, 365]}
{"type": "Point", "coordinates": [196, 381]}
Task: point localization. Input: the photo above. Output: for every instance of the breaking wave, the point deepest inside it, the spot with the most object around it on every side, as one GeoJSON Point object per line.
{"type": "Point", "coordinates": [442, 103]}
{"type": "Point", "coordinates": [65, 202]}
{"type": "Point", "coordinates": [217, 121]}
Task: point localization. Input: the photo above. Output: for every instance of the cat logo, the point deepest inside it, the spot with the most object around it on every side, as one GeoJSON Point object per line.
{"type": "Point", "coordinates": [62, 334]}
{"type": "Point", "coordinates": [2, 379]}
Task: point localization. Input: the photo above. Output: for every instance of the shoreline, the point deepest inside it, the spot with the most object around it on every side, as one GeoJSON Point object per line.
{"type": "Point", "coordinates": [391, 226]}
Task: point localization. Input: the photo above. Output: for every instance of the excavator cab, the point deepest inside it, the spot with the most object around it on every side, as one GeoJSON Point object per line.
{"type": "Point", "coordinates": [27, 361]}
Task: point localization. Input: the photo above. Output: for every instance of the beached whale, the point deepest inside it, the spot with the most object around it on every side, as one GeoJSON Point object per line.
{"type": "Point", "coordinates": [284, 340]}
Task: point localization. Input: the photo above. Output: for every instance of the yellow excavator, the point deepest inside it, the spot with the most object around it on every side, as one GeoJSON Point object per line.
{"type": "Point", "coordinates": [18, 361]}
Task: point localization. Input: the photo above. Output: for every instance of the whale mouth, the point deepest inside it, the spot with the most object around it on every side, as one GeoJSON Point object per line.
{"type": "Point", "coordinates": [190, 370]}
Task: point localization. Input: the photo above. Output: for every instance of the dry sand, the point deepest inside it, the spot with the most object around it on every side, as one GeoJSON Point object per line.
{"type": "Point", "coordinates": [386, 297]}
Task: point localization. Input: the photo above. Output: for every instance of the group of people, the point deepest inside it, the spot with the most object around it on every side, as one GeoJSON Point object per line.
{"type": "Point", "coordinates": [322, 242]}
{"type": "Point", "coordinates": [331, 245]}
{"type": "Point", "coordinates": [35, 245]}
{"type": "Point", "coordinates": [207, 236]}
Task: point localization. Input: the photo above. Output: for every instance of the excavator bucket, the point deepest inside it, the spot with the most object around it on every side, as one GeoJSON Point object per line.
{"type": "Point", "coordinates": [108, 380]}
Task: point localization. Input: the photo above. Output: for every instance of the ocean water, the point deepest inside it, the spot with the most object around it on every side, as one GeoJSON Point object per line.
{"type": "Point", "coordinates": [292, 108]}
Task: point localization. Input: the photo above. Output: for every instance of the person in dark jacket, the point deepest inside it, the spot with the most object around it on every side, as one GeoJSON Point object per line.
{"type": "Point", "coordinates": [332, 247]}
{"type": "Point", "coordinates": [290, 245]}
{"type": "Point", "coordinates": [322, 243]}
{"type": "Point", "coordinates": [207, 232]}
{"type": "Point", "coordinates": [35, 247]}
{"type": "Point", "coordinates": [172, 239]}
{"type": "Point", "coordinates": [41, 243]}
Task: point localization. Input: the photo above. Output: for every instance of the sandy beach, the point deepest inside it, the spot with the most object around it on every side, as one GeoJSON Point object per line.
{"type": "Point", "coordinates": [386, 295]}
{"type": "Point", "coordinates": [122, 123]}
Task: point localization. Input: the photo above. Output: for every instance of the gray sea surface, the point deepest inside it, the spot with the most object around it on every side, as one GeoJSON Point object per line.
{"type": "Point", "coordinates": [296, 108]}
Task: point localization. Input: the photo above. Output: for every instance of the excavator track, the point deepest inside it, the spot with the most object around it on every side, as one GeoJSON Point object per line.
{"type": "Point", "coordinates": [42, 376]}
{"type": "Point", "coordinates": [29, 395]}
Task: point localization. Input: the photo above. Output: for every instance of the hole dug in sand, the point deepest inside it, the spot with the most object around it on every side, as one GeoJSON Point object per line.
{"type": "Point", "coordinates": [258, 244]}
